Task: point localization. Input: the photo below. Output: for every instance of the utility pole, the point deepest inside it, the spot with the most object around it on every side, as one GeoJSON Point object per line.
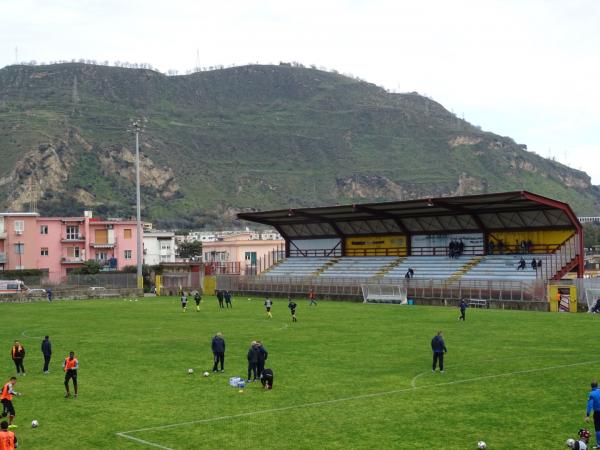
{"type": "Point", "coordinates": [137, 129]}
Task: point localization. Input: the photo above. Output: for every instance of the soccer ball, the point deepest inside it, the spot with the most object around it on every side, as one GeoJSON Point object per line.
{"type": "Point", "coordinates": [206, 374]}
{"type": "Point", "coordinates": [481, 445]}
{"type": "Point", "coordinates": [34, 424]}
{"type": "Point", "coordinates": [190, 371]}
{"type": "Point", "coordinates": [570, 443]}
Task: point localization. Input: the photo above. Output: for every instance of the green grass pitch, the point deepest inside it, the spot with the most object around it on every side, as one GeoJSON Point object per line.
{"type": "Point", "coordinates": [347, 376]}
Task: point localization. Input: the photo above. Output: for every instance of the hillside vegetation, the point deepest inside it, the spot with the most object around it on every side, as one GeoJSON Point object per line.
{"type": "Point", "coordinates": [245, 138]}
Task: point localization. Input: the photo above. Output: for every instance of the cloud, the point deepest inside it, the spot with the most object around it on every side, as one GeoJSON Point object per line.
{"type": "Point", "coordinates": [528, 70]}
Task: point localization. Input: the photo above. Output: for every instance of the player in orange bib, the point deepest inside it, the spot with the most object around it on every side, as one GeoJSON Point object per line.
{"type": "Point", "coordinates": [8, 390]}
{"type": "Point", "coordinates": [8, 440]}
{"type": "Point", "coordinates": [71, 365]}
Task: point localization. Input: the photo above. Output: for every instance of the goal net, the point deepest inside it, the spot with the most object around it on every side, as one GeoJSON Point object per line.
{"type": "Point", "coordinates": [591, 297]}
{"type": "Point", "coordinates": [384, 293]}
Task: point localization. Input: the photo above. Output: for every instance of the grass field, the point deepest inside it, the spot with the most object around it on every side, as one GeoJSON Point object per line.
{"type": "Point", "coordinates": [347, 375]}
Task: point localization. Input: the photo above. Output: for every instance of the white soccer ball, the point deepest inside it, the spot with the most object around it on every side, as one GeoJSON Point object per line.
{"type": "Point", "coordinates": [206, 374]}
{"type": "Point", "coordinates": [481, 445]}
{"type": "Point", "coordinates": [570, 443]}
{"type": "Point", "coordinates": [190, 371]}
{"type": "Point", "coordinates": [34, 424]}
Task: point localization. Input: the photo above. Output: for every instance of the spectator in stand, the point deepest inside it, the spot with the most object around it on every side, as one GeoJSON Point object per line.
{"type": "Point", "coordinates": [501, 246]}
{"type": "Point", "coordinates": [461, 248]}
{"type": "Point", "coordinates": [534, 264]}
{"type": "Point", "coordinates": [522, 264]}
{"type": "Point", "coordinates": [491, 248]}
{"type": "Point", "coordinates": [529, 245]}
{"type": "Point", "coordinates": [539, 264]}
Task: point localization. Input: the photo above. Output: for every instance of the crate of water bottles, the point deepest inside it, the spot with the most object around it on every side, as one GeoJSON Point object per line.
{"type": "Point", "coordinates": [235, 381]}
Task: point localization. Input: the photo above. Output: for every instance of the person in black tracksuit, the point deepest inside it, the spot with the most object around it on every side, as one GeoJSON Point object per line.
{"type": "Point", "coordinates": [220, 298]}
{"type": "Point", "coordinates": [218, 349]}
{"type": "Point", "coordinates": [47, 352]}
{"type": "Point", "coordinates": [439, 348]}
{"type": "Point", "coordinates": [266, 378]}
{"type": "Point", "coordinates": [228, 299]}
{"type": "Point", "coordinates": [463, 309]}
{"type": "Point", "coordinates": [263, 354]}
{"type": "Point", "coordinates": [252, 357]}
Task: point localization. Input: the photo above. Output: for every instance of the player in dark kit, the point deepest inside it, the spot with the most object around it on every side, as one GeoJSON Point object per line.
{"type": "Point", "coordinates": [220, 298]}
{"type": "Point", "coordinates": [197, 299]}
{"type": "Point", "coordinates": [266, 378]}
{"type": "Point", "coordinates": [71, 365]}
{"type": "Point", "coordinates": [439, 348]}
{"type": "Point", "coordinates": [463, 309]}
{"type": "Point", "coordinates": [292, 307]}
{"type": "Point", "coordinates": [218, 349]}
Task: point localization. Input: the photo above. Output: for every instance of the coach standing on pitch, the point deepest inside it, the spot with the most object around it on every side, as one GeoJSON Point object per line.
{"type": "Point", "coordinates": [439, 348]}
{"type": "Point", "coordinates": [47, 352]}
{"type": "Point", "coordinates": [594, 404]}
{"type": "Point", "coordinates": [218, 349]}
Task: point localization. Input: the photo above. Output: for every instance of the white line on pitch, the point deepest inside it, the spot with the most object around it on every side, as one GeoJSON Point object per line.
{"type": "Point", "coordinates": [125, 434]}
{"type": "Point", "coordinates": [141, 441]}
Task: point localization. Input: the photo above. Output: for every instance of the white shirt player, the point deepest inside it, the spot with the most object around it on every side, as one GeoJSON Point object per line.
{"type": "Point", "coordinates": [579, 445]}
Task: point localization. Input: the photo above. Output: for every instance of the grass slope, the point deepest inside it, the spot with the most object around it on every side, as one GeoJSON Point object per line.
{"type": "Point", "coordinates": [258, 137]}
{"type": "Point", "coordinates": [134, 358]}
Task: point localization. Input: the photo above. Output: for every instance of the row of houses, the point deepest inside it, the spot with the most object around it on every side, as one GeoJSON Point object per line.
{"type": "Point", "coordinates": [58, 245]}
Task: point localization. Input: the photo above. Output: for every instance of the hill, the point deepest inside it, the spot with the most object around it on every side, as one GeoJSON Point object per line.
{"type": "Point", "coordinates": [245, 138]}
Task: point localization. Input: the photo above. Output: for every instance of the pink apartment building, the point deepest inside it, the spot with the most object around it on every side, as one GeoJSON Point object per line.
{"type": "Point", "coordinates": [59, 244]}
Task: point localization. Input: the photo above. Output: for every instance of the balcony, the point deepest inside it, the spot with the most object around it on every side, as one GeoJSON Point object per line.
{"type": "Point", "coordinates": [108, 244]}
{"type": "Point", "coordinates": [72, 238]}
{"type": "Point", "coordinates": [71, 260]}
{"type": "Point", "coordinates": [2, 258]}
{"type": "Point", "coordinates": [2, 234]}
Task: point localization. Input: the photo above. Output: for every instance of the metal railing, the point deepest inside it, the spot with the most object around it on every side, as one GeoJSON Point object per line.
{"type": "Point", "coordinates": [562, 256]}
{"type": "Point", "coordinates": [533, 290]}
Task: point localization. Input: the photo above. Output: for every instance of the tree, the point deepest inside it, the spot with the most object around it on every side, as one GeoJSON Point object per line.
{"type": "Point", "coordinates": [591, 234]}
{"type": "Point", "coordinates": [89, 267]}
{"type": "Point", "coordinates": [190, 249]}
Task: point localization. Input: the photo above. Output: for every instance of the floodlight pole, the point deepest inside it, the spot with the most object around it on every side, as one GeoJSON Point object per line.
{"type": "Point", "coordinates": [140, 275]}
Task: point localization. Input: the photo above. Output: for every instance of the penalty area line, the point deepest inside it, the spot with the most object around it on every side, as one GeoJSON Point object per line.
{"type": "Point", "coordinates": [127, 434]}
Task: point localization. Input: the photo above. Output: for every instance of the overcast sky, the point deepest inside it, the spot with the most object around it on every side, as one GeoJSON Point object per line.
{"type": "Point", "coordinates": [527, 69]}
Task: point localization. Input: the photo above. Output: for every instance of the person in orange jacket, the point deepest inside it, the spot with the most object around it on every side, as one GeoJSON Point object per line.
{"type": "Point", "coordinates": [6, 396]}
{"type": "Point", "coordinates": [8, 440]}
{"type": "Point", "coordinates": [71, 365]}
{"type": "Point", "coordinates": [17, 353]}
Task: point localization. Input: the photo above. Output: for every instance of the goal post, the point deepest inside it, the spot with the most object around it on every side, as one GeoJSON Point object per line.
{"type": "Point", "coordinates": [591, 297]}
{"type": "Point", "coordinates": [384, 293]}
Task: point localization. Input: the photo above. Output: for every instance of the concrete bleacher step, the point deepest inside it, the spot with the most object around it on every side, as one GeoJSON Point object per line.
{"type": "Point", "coordinates": [326, 266]}
{"type": "Point", "coordinates": [385, 270]}
{"type": "Point", "coordinates": [465, 268]}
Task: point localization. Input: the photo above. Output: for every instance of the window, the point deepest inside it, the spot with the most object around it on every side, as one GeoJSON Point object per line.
{"type": "Point", "coordinates": [127, 233]}
{"type": "Point", "coordinates": [127, 254]}
{"type": "Point", "coordinates": [19, 248]}
{"type": "Point", "coordinates": [250, 257]}
{"type": "Point", "coordinates": [101, 256]}
{"type": "Point", "coordinates": [72, 232]}
{"type": "Point", "coordinates": [73, 252]}
{"type": "Point", "coordinates": [43, 229]}
{"type": "Point", "coordinates": [19, 226]}
{"type": "Point", "coordinates": [44, 251]}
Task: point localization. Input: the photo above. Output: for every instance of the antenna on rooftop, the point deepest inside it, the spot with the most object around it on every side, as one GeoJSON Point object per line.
{"type": "Point", "coordinates": [197, 68]}
{"type": "Point", "coordinates": [16, 55]}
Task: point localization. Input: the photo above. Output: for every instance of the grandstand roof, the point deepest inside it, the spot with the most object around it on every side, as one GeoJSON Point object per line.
{"type": "Point", "coordinates": [520, 210]}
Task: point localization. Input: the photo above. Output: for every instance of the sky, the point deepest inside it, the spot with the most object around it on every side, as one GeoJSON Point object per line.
{"type": "Point", "coordinates": [527, 69]}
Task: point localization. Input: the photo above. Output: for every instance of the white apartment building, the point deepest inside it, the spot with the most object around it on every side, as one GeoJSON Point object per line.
{"type": "Point", "coordinates": [159, 247]}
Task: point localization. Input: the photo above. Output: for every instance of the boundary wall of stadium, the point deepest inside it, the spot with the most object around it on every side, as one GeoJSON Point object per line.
{"type": "Point", "coordinates": [525, 295]}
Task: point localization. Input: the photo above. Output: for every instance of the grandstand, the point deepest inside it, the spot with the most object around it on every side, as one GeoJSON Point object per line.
{"type": "Point", "coordinates": [380, 242]}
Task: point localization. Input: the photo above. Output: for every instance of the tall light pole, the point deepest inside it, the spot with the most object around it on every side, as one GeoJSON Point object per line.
{"type": "Point", "coordinates": [137, 128]}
